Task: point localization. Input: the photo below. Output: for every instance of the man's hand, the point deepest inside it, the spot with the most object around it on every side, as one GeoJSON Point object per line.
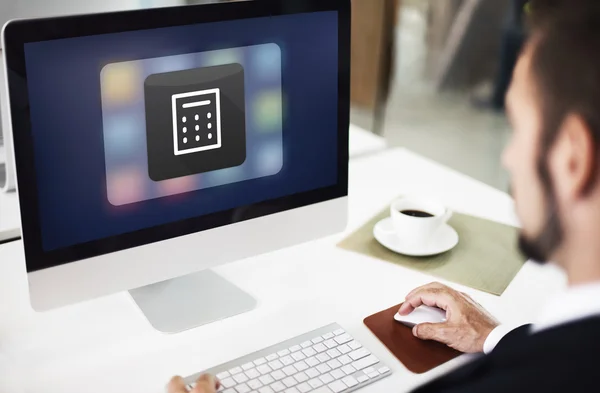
{"type": "Point", "coordinates": [204, 384]}
{"type": "Point", "coordinates": [467, 323]}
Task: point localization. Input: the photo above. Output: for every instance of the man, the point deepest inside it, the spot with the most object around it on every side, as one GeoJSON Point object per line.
{"type": "Point", "coordinates": [554, 161]}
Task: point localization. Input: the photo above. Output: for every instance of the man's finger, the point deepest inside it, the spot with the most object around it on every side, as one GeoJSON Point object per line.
{"type": "Point", "coordinates": [431, 331]}
{"type": "Point", "coordinates": [206, 384]}
{"type": "Point", "coordinates": [434, 297]}
{"type": "Point", "coordinates": [431, 285]}
{"type": "Point", "coordinates": [176, 385]}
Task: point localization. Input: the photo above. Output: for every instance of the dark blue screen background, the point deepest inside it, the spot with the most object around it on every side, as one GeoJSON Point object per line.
{"type": "Point", "coordinates": [66, 114]}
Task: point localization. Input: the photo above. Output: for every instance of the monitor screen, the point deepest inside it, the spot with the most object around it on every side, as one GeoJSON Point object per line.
{"type": "Point", "coordinates": [111, 139]}
{"type": "Point", "coordinates": [143, 128]}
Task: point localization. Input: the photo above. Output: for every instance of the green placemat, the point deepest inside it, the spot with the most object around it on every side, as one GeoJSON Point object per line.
{"type": "Point", "coordinates": [486, 257]}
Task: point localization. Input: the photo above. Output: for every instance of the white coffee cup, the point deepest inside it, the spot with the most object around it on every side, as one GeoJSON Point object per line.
{"type": "Point", "coordinates": [418, 230]}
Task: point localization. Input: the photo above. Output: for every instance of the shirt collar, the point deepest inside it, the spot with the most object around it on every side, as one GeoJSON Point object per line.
{"type": "Point", "coordinates": [575, 303]}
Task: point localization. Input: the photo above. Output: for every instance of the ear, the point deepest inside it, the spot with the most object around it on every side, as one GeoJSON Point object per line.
{"type": "Point", "coordinates": [573, 159]}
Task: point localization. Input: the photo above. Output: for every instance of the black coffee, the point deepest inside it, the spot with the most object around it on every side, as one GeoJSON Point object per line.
{"type": "Point", "coordinates": [416, 213]}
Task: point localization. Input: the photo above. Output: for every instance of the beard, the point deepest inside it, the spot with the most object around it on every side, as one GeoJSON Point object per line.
{"type": "Point", "coordinates": [541, 247]}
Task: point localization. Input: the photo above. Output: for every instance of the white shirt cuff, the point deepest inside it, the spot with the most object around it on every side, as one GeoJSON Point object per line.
{"type": "Point", "coordinates": [496, 336]}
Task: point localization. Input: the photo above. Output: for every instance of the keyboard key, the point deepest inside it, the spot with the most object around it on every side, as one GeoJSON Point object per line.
{"type": "Point", "coordinates": [338, 332]}
{"type": "Point", "coordinates": [350, 381]}
{"type": "Point", "coordinates": [384, 370]}
{"type": "Point", "coordinates": [315, 383]}
{"type": "Point", "coordinates": [312, 361]}
{"type": "Point", "coordinates": [266, 389]}
{"type": "Point", "coordinates": [359, 354]}
{"type": "Point", "coordinates": [344, 359]}
{"type": "Point", "coordinates": [286, 360]}
{"type": "Point", "coordinates": [333, 353]}
{"type": "Point", "coordinates": [313, 372]}
{"type": "Point", "coordinates": [368, 370]}
{"type": "Point", "coordinates": [301, 365]}
{"type": "Point", "coordinates": [278, 387]}
{"type": "Point", "coordinates": [338, 374]}
{"type": "Point", "coordinates": [319, 348]}
{"type": "Point", "coordinates": [289, 382]}
{"type": "Point", "coordinates": [304, 387]}
{"type": "Point", "coordinates": [343, 339]}
{"type": "Point", "coordinates": [230, 390]}
{"type": "Point", "coordinates": [223, 375]}
{"type": "Point", "coordinates": [374, 374]}
{"type": "Point", "coordinates": [323, 368]}
{"type": "Point", "coordinates": [306, 344]}
{"type": "Point", "coordinates": [295, 348]}
{"type": "Point", "coordinates": [323, 357]}
{"type": "Point", "coordinates": [247, 366]}
{"type": "Point", "coordinates": [330, 344]}
{"type": "Point", "coordinates": [344, 349]}
{"type": "Point", "coordinates": [334, 364]}
{"type": "Point", "coordinates": [301, 377]}
{"type": "Point", "coordinates": [297, 356]}
{"type": "Point", "coordinates": [327, 336]}
{"type": "Point", "coordinates": [252, 374]}
{"type": "Point", "coordinates": [292, 390]}
{"type": "Point", "coordinates": [243, 388]}
{"type": "Point", "coordinates": [235, 370]}
{"type": "Point", "coordinates": [308, 352]}
{"type": "Point", "coordinates": [327, 378]}
{"type": "Point", "coordinates": [266, 380]}
{"type": "Point", "coordinates": [365, 362]}
{"type": "Point", "coordinates": [354, 345]}
{"type": "Point", "coordinates": [362, 378]}
{"type": "Point", "coordinates": [317, 340]}
{"type": "Point", "coordinates": [272, 357]}
{"type": "Point", "coordinates": [260, 361]}
{"type": "Point", "coordinates": [228, 382]}
{"type": "Point", "coordinates": [275, 364]}
{"type": "Point", "coordinates": [264, 369]}
{"type": "Point", "coordinates": [322, 389]}
{"type": "Point", "coordinates": [283, 352]}
{"type": "Point", "coordinates": [348, 369]}
{"type": "Point", "coordinates": [278, 375]}
{"type": "Point", "coordinates": [240, 378]}
{"type": "Point", "coordinates": [289, 370]}
{"type": "Point", "coordinates": [337, 386]}
{"type": "Point", "coordinates": [255, 384]}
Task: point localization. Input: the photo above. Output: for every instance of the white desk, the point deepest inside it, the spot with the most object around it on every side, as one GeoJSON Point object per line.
{"type": "Point", "coordinates": [107, 346]}
{"type": "Point", "coordinates": [363, 142]}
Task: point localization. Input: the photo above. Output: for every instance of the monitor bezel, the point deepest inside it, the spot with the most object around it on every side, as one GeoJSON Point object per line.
{"type": "Point", "coordinates": [20, 32]}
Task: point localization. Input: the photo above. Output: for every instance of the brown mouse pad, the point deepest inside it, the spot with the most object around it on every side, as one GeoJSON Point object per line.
{"type": "Point", "coordinates": [417, 355]}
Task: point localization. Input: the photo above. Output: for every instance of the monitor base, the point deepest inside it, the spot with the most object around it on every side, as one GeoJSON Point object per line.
{"type": "Point", "coordinates": [183, 303]}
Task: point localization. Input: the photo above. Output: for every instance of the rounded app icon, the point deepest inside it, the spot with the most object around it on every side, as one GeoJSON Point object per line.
{"type": "Point", "coordinates": [195, 121]}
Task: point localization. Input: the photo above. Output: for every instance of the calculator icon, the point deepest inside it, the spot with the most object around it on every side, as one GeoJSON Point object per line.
{"type": "Point", "coordinates": [196, 121]}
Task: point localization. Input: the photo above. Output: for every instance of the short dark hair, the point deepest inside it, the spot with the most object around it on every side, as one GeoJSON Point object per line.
{"type": "Point", "coordinates": [565, 63]}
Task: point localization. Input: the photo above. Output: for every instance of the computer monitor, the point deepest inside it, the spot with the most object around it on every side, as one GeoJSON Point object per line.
{"type": "Point", "coordinates": [153, 144]}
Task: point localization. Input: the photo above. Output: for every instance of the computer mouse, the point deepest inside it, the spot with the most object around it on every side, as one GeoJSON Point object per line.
{"type": "Point", "coordinates": [422, 314]}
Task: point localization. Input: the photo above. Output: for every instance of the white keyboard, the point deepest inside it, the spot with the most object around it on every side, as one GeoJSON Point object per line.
{"type": "Point", "coordinates": [326, 360]}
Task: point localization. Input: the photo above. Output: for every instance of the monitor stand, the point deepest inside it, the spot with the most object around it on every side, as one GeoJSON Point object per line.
{"type": "Point", "coordinates": [183, 303]}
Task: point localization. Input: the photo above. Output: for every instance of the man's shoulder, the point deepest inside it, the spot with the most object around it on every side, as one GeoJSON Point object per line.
{"type": "Point", "coordinates": [577, 330]}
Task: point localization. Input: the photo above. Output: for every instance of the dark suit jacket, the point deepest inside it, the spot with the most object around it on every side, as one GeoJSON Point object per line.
{"type": "Point", "coordinates": [561, 359]}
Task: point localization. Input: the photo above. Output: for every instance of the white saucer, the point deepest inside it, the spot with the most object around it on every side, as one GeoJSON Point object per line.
{"type": "Point", "coordinates": [444, 240]}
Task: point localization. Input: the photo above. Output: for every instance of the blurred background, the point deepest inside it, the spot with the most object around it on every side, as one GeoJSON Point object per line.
{"type": "Point", "coordinates": [428, 75]}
